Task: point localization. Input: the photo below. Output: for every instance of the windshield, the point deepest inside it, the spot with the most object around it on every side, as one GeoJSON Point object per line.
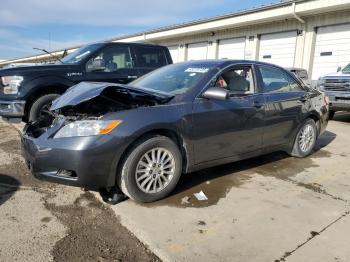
{"type": "Point", "coordinates": [173, 79]}
{"type": "Point", "coordinates": [346, 69]}
{"type": "Point", "coordinates": [80, 54]}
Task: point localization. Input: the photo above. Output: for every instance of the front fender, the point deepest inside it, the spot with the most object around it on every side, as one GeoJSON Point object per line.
{"type": "Point", "coordinates": [36, 85]}
{"type": "Point", "coordinates": [162, 118]}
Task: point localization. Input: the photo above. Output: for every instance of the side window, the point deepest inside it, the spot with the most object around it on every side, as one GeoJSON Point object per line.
{"type": "Point", "coordinates": [110, 59]}
{"type": "Point", "coordinates": [238, 80]}
{"type": "Point", "coordinates": [150, 57]}
{"type": "Point", "coordinates": [294, 85]}
{"type": "Point", "coordinates": [274, 79]}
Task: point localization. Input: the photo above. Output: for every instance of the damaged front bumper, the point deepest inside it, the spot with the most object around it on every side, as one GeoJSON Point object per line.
{"type": "Point", "coordinates": [89, 162]}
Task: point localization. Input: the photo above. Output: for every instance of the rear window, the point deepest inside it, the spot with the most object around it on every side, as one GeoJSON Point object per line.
{"type": "Point", "coordinates": [150, 57]}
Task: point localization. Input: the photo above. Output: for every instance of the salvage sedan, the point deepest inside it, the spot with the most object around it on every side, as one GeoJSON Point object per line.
{"type": "Point", "coordinates": [139, 138]}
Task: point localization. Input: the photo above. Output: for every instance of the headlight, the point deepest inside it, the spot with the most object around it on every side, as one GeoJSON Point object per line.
{"type": "Point", "coordinates": [320, 83]}
{"type": "Point", "coordinates": [11, 84]}
{"type": "Point", "coordinates": [87, 128]}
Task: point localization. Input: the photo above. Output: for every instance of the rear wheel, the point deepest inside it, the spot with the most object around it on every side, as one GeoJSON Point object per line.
{"type": "Point", "coordinates": [41, 107]}
{"type": "Point", "coordinates": [151, 170]}
{"type": "Point", "coordinates": [331, 114]}
{"type": "Point", "coordinates": [305, 139]}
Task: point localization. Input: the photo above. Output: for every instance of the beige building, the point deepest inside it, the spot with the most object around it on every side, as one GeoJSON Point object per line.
{"type": "Point", "coordinates": [311, 34]}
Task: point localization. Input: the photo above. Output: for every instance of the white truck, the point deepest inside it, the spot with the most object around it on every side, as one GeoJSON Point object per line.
{"type": "Point", "coordinates": [337, 87]}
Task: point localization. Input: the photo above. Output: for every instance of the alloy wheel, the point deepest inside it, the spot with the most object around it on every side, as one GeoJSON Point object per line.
{"type": "Point", "coordinates": [155, 170]}
{"type": "Point", "coordinates": [306, 138]}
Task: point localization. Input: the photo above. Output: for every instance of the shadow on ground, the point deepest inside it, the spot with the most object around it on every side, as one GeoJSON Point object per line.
{"type": "Point", "coordinates": [216, 182]}
{"type": "Point", "coordinates": [8, 186]}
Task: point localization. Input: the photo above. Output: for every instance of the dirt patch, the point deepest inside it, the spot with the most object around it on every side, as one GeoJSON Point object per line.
{"type": "Point", "coordinates": [11, 146]}
{"type": "Point", "coordinates": [93, 231]}
{"type": "Point", "coordinates": [95, 234]}
{"type": "Point", "coordinates": [18, 170]}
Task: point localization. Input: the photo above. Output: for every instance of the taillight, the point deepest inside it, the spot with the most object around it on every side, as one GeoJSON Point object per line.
{"type": "Point", "coordinates": [326, 100]}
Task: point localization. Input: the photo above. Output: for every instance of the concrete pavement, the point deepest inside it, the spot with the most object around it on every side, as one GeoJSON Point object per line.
{"type": "Point", "coordinates": [271, 208]}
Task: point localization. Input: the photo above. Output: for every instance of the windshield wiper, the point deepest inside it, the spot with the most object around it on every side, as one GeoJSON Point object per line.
{"type": "Point", "coordinates": [47, 52]}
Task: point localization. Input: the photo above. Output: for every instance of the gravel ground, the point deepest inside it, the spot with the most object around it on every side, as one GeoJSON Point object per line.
{"type": "Point", "coordinates": [41, 221]}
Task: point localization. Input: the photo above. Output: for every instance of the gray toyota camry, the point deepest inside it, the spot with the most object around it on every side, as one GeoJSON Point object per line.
{"type": "Point", "coordinates": [138, 139]}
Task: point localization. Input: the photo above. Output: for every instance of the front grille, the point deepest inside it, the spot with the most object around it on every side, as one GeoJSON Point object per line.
{"type": "Point", "coordinates": [342, 85]}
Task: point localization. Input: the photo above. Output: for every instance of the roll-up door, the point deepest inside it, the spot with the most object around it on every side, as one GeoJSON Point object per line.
{"type": "Point", "coordinates": [278, 48]}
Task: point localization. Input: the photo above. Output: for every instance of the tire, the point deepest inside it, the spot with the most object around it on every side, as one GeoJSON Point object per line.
{"type": "Point", "coordinates": [39, 104]}
{"type": "Point", "coordinates": [298, 149]}
{"type": "Point", "coordinates": [126, 177]}
{"type": "Point", "coordinates": [331, 115]}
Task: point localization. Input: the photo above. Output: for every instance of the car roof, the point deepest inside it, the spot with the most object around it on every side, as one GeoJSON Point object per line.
{"type": "Point", "coordinates": [295, 69]}
{"type": "Point", "coordinates": [129, 43]}
{"type": "Point", "coordinates": [225, 62]}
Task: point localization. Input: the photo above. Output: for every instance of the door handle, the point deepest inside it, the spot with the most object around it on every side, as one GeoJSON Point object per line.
{"type": "Point", "coordinates": [132, 77]}
{"type": "Point", "coordinates": [258, 104]}
{"type": "Point", "coordinates": [304, 98]}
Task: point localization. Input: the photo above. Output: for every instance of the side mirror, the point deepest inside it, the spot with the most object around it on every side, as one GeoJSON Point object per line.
{"type": "Point", "coordinates": [217, 93]}
{"type": "Point", "coordinates": [339, 68]}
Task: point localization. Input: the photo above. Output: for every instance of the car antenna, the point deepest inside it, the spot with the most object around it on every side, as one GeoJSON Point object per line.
{"type": "Point", "coordinates": [47, 52]}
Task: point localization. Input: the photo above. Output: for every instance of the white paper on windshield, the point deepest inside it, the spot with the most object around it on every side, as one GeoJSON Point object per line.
{"type": "Point", "coordinates": [201, 70]}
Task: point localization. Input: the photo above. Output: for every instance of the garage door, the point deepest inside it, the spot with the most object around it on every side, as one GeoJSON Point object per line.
{"type": "Point", "coordinates": [231, 48]}
{"type": "Point", "coordinates": [278, 48]}
{"type": "Point", "coordinates": [197, 51]}
{"type": "Point", "coordinates": [332, 49]}
{"type": "Point", "coordinates": [174, 52]}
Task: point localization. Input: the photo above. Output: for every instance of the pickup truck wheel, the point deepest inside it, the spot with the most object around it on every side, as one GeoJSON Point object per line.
{"type": "Point", "coordinates": [151, 170]}
{"type": "Point", "coordinates": [41, 106]}
{"type": "Point", "coordinates": [305, 140]}
{"type": "Point", "coordinates": [331, 114]}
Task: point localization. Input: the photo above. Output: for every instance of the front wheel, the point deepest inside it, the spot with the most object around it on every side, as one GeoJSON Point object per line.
{"type": "Point", "coordinates": [305, 140]}
{"type": "Point", "coordinates": [151, 169]}
{"type": "Point", "coordinates": [41, 106]}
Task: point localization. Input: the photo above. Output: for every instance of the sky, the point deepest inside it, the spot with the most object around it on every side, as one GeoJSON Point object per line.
{"type": "Point", "coordinates": [57, 24]}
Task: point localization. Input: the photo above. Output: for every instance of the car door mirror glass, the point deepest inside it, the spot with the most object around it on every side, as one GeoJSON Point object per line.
{"type": "Point", "coordinates": [216, 93]}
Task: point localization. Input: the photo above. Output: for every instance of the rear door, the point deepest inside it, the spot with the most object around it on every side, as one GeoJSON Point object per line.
{"type": "Point", "coordinates": [112, 64]}
{"type": "Point", "coordinates": [225, 128]}
{"type": "Point", "coordinates": [285, 102]}
{"type": "Point", "coordinates": [149, 58]}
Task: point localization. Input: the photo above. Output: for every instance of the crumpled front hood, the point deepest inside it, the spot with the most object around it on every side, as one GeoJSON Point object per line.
{"type": "Point", "coordinates": [86, 91]}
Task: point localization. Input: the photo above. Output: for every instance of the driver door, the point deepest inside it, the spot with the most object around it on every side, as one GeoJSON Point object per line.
{"type": "Point", "coordinates": [113, 64]}
{"type": "Point", "coordinates": [226, 128]}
